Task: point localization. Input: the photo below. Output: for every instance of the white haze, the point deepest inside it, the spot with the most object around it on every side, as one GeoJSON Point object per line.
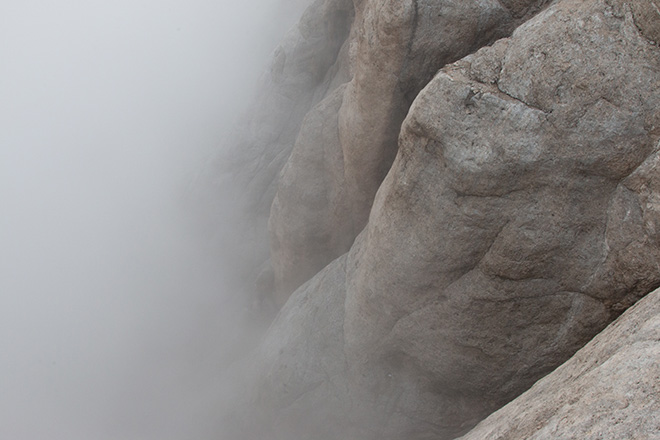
{"type": "Point", "coordinates": [110, 309]}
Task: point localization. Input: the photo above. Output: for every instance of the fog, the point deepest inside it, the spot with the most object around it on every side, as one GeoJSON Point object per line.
{"type": "Point", "coordinates": [111, 308]}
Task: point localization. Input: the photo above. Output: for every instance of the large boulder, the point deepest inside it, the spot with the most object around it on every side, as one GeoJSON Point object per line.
{"type": "Point", "coordinates": [347, 144]}
{"type": "Point", "coordinates": [610, 389]}
{"type": "Point", "coordinates": [519, 218]}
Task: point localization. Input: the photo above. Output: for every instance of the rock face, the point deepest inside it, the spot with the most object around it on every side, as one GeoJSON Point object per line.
{"type": "Point", "coordinates": [609, 390]}
{"type": "Point", "coordinates": [511, 206]}
{"type": "Point", "coordinates": [237, 188]}
{"type": "Point", "coordinates": [348, 142]}
{"type": "Point", "coordinates": [519, 217]}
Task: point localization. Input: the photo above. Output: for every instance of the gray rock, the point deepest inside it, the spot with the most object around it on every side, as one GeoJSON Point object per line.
{"type": "Point", "coordinates": [395, 48]}
{"type": "Point", "coordinates": [610, 389]}
{"type": "Point", "coordinates": [236, 189]}
{"type": "Point", "coordinates": [505, 207]}
{"type": "Point", "coordinates": [519, 218]}
{"type": "Point", "coordinates": [297, 232]}
{"type": "Point", "coordinates": [295, 386]}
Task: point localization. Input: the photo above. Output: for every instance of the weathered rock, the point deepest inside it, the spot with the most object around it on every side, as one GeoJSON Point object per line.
{"type": "Point", "coordinates": [290, 88]}
{"type": "Point", "coordinates": [294, 224]}
{"type": "Point", "coordinates": [610, 389]}
{"type": "Point", "coordinates": [295, 386]}
{"type": "Point", "coordinates": [496, 244]}
{"type": "Point", "coordinates": [647, 18]}
{"type": "Point", "coordinates": [396, 48]}
{"type": "Point", "coordinates": [519, 218]}
{"type": "Point", "coordinates": [238, 186]}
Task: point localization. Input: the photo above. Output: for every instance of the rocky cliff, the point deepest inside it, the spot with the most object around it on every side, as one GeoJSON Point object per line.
{"type": "Point", "coordinates": [447, 199]}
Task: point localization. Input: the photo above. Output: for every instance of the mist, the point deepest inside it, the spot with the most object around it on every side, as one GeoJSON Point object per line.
{"type": "Point", "coordinates": [112, 308]}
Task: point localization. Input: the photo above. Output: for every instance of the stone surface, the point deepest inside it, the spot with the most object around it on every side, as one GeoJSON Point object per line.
{"type": "Point", "coordinates": [610, 389]}
{"type": "Point", "coordinates": [395, 48]}
{"type": "Point", "coordinates": [519, 218]}
{"type": "Point", "coordinates": [507, 191]}
{"type": "Point", "coordinates": [502, 239]}
{"type": "Point", "coordinates": [295, 386]}
{"type": "Point", "coordinates": [237, 187]}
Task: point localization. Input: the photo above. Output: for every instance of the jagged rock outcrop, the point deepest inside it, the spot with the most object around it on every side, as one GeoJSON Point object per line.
{"type": "Point", "coordinates": [519, 218]}
{"type": "Point", "coordinates": [610, 389]}
{"type": "Point", "coordinates": [348, 142]}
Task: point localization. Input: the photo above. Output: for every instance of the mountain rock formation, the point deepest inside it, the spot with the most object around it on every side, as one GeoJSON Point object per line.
{"type": "Point", "coordinates": [459, 196]}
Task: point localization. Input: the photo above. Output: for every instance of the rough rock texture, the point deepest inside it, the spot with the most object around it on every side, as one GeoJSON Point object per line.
{"type": "Point", "coordinates": [609, 390]}
{"type": "Point", "coordinates": [519, 218]}
{"type": "Point", "coordinates": [515, 197]}
{"type": "Point", "coordinates": [347, 144]}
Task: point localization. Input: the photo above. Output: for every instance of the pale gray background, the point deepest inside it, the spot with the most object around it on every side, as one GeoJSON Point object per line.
{"type": "Point", "coordinates": [109, 308]}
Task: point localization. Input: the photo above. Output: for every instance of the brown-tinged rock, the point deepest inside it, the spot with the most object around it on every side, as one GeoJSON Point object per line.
{"type": "Point", "coordinates": [610, 389]}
